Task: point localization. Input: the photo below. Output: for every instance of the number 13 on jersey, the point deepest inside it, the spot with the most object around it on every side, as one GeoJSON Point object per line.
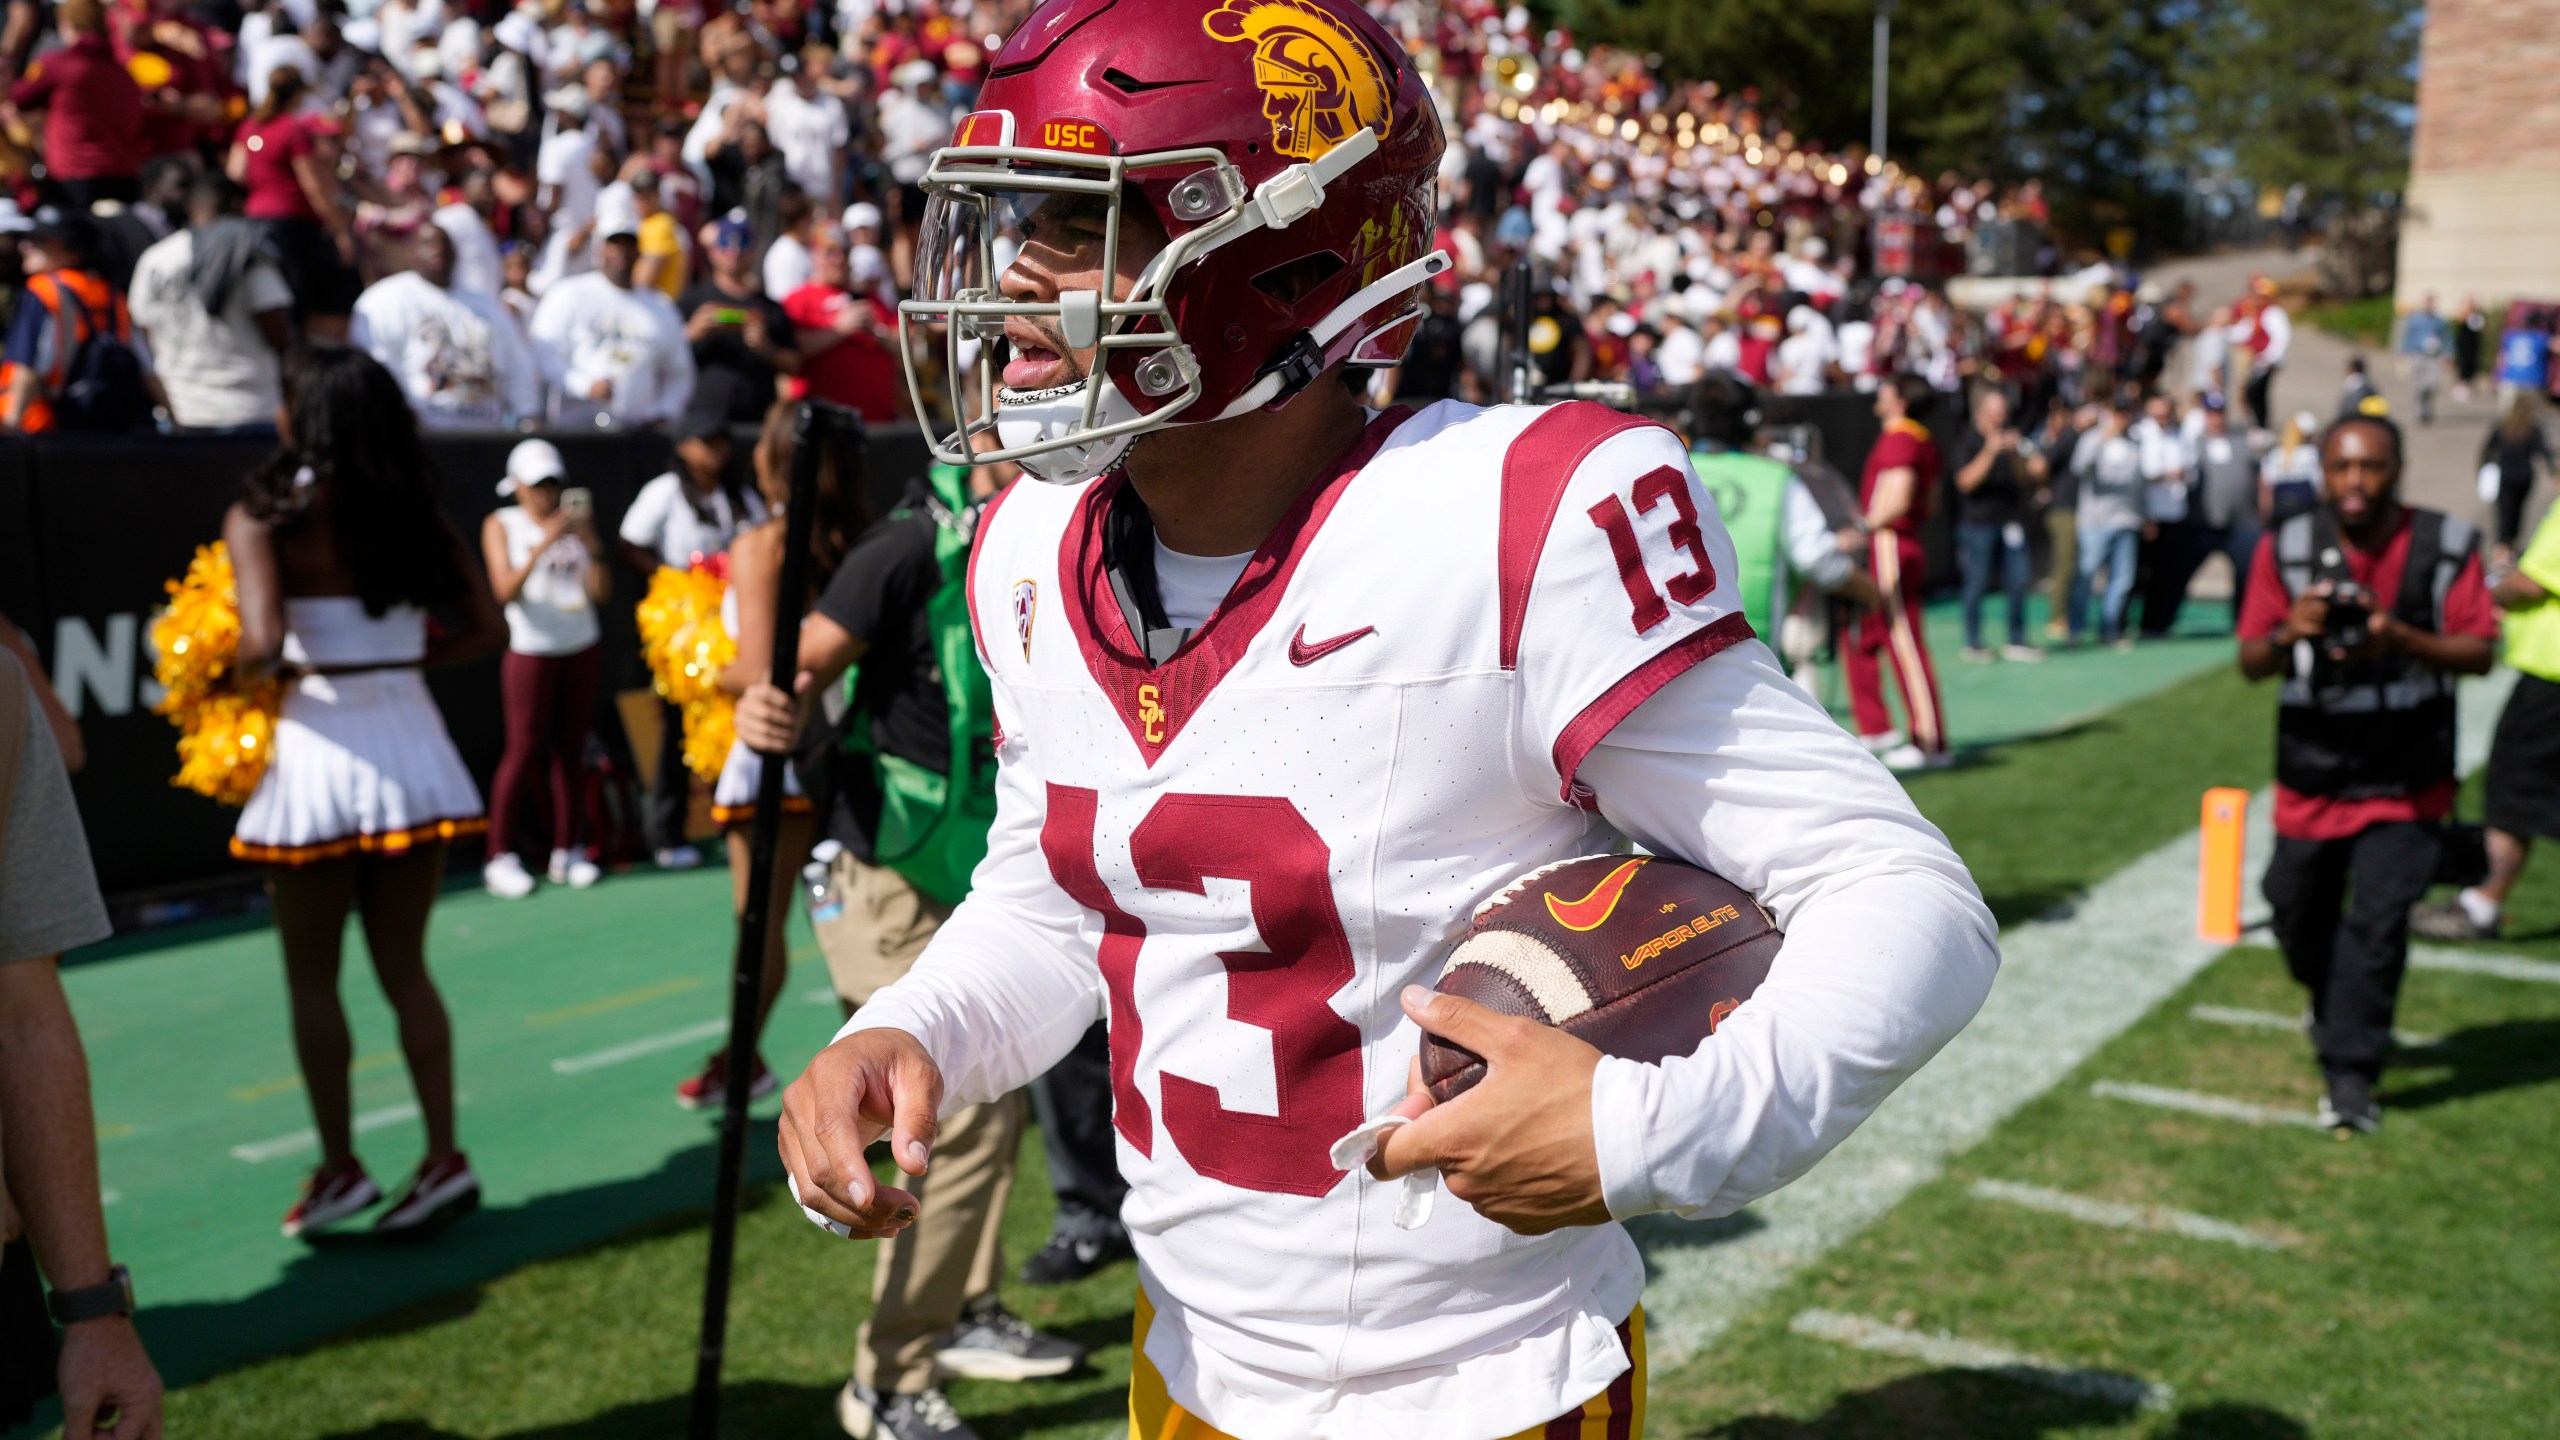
{"type": "Point", "coordinates": [1285, 988]}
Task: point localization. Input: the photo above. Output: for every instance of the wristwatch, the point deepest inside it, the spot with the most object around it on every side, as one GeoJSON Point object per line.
{"type": "Point", "coordinates": [95, 1302]}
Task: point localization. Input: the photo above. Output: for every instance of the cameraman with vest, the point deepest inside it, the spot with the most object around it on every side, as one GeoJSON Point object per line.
{"type": "Point", "coordinates": [2366, 609]}
{"type": "Point", "coordinates": [900, 757]}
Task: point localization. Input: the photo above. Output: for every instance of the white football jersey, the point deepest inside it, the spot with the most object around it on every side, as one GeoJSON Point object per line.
{"type": "Point", "coordinates": [1271, 834]}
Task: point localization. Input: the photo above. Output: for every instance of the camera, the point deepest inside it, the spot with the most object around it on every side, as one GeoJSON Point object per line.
{"type": "Point", "coordinates": [2350, 619]}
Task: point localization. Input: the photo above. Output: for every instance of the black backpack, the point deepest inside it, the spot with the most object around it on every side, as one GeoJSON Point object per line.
{"type": "Point", "coordinates": [103, 386]}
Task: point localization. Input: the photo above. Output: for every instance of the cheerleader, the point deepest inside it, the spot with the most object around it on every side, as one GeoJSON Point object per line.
{"type": "Point", "coordinates": [340, 552]}
{"type": "Point", "coordinates": [755, 589]}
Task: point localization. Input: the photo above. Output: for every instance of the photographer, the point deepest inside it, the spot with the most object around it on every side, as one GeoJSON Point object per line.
{"type": "Point", "coordinates": [2367, 608]}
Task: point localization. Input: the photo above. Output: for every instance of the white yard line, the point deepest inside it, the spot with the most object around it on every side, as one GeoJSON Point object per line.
{"type": "Point", "coordinates": [2118, 1216]}
{"type": "Point", "coordinates": [2069, 982]}
{"type": "Point", "coordinates": [634, 1049]}
{"type": "Point", "coordinates": [1956, 1353]}
{"type": "Point", "coordinates": [2238, 1018]}
{"type": "Point", "coordinates": [258, 1152]}
{"type": "Point", "coordinates": [2472, 962]}
{"type": "Point", "coordinates": [2196, 1102]}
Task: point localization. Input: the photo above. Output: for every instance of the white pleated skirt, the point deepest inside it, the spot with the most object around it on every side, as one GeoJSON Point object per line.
{"type": "Point", "coordinates": [733, 797]}
{"type": "Point", "coordinates": [362, 765]}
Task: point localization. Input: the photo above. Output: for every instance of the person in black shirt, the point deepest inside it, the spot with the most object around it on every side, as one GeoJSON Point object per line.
{"type": "Point", "coordinates": [1434, 362]}
{"type": "Point", "coordinates": [733, 324]}
{"type": "Point", "coordinates": [1997, 472]}
{"type": "Point", "coordinates": [934, 1285]}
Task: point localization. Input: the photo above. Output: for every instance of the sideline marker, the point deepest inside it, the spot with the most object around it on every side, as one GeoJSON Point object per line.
{"type": "Point", "coordinates": [2226, 817]}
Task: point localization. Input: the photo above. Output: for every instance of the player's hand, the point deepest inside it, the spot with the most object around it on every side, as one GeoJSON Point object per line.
{"type": "Point", "coordinates": [768, 720]}
{"type": "Point", "coordinates": [1518, 1147]}
{"type": "Point", "coordinates": [867, 1083]}
{"type": "Point", "coordinates": [109, 1390]}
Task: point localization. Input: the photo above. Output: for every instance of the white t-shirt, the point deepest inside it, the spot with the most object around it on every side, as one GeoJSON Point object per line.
{"type": "Point", "coordinates": [675, 526]}
{"type": "Point", "coordinates": [1369, 740]}
{"type": "Point", "coordinates": [563, 161]}
{"type": "Point", "coordinates": [551, 615]}
{"type": "Point", "coordinates": [217, 369]}
{"type": "Point", "coordinates": [589, 330]}
{"type": "Point", "coordinates": [809, 132]}
{"type": "Point", "coordinates": [787, 265]}
{"type": "Point", "coordinates": [459, 357]}
{"type": "Point", "coordinates": [476, 266]}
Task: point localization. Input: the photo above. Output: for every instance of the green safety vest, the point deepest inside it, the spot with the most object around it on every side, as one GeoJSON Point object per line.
{"type": "Point", "coordinates": [1751, 495]}
{"type": "Point", "coordinates": [933, 827]}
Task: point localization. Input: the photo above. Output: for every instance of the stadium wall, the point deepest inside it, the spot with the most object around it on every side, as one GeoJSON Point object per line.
{"type": "Point", "coordinates": [2483, 203]}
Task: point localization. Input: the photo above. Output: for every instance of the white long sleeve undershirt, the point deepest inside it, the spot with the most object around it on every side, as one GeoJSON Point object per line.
{"type": "Point", "coordinates": [1889, 949]}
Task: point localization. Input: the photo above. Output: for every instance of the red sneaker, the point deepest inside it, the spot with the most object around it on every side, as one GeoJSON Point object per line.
{"type": "Point", "coordinates": [710, 1089]}
{"type": "Point", "coordinates": [442, 1192]}
{"type": "Point", "coordinates": [333, 1193]}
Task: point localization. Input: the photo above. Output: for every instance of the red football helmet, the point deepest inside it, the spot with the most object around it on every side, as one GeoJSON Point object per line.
{"type": "Point", "coordinates": [1287, 149]}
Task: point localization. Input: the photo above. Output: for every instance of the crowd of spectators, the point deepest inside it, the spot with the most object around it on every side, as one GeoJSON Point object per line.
{"type": "Point", "coordinates": [563, 211]}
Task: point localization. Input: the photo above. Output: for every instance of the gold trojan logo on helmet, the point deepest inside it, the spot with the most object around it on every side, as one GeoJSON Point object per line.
{"type": "Point", "coordinates": [1319, 81]}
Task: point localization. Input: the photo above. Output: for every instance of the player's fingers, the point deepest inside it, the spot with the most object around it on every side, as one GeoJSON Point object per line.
{"type": "Point", "coordinates": [827, 1114]}
{"type": "Point", "coordinates": [1462, 1021]}
{"type": "Point", "coordinates": [1407, 1148]}
{"type": "Point", "coordinates": [915, 1095]}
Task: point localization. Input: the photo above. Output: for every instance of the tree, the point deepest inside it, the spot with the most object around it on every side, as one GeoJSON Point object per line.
{"type": "Point", "coordinates": [2314, 92]}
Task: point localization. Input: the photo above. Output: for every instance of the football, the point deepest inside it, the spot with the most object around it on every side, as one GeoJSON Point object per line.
{"type": "Point", "coordinates": [1640, 955]}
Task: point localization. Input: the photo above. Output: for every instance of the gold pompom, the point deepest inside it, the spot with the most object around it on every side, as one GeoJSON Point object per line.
{"type": "Point", "coordinates": [687, 646]}
{"type": "Point", "coordinates": [225, 731]}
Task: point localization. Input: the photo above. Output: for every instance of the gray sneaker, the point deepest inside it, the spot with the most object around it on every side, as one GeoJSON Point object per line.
{"type": "Point", "coordinates": [993, 1343]}
{"type": "Point", "coordinates": [2449, 921]}
{"type": "Point", "coordinates": [925, 1415]}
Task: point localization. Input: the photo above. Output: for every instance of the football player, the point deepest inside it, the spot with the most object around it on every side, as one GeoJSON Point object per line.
{"type": "Point", "coordinates": [1284, 689]}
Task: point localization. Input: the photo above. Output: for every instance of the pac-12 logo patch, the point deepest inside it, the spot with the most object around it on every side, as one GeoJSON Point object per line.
{"type": "Point", "coordinates": [1026, 604]}
{"type": "Point", "coordinates": [1319, 81]}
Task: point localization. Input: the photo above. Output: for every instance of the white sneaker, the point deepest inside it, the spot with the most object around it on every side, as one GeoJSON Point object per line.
{"type": "Point", "coordinates": [1878, 744]}
{"type": "Point", "coordinates": [2022, 655]}
{"type": "Point", "coordinates": [678, 857]}
{"type": "Point", "coordinates": [573, 869]}
{"type": "Point", "coordinates": [1903, 759]}
{"type": "Point", "coordinates": [506, 877]}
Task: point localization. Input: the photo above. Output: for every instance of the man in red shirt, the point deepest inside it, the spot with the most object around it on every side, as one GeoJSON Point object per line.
{"type": "Point", "coordinates": [93, 113]}
{"type": "Point", "coordinates": [848, 339]}
{"type": "Point", "coordinates": [2367, 609]}
{"type": "Point", "coordinates": [1898, 489]}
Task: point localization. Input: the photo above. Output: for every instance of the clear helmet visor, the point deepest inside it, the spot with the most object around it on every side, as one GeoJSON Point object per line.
{"type": "Point", "coordinates": [1073, 427]}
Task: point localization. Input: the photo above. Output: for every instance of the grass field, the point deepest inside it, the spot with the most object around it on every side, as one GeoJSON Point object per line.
{"type": "Point", "coordinates": [2367, 321]}
{"type": "Point", "coordinates": [2412, 1294]}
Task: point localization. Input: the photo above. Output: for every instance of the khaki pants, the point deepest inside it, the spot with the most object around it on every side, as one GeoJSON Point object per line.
{"type": "Point", "coordinates": [950, 1257]}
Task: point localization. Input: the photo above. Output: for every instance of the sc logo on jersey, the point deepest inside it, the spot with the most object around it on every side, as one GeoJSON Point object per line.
{"type": "Point", "coordinates": [1151, 713]}
{"type": "Point", "coordinates": [1318, 81]}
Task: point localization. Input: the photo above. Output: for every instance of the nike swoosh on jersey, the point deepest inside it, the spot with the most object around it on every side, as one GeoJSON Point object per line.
{"type": "Point", "coordinates": [1588, 912]}
{"type": "Point", "coordinates": [1302, 653]}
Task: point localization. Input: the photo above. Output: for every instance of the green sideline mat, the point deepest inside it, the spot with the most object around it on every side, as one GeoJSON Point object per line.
{"type": "Point", "coordinates": [1996, 702]}
{"type": "Point", "coordinates": [574, 1014]}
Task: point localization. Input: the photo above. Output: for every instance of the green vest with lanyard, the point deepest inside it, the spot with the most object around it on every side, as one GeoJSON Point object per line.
{"type": "Point", "coordinates": [933, 827]}
{"type": "Point", "coordinates": [1751, 495]}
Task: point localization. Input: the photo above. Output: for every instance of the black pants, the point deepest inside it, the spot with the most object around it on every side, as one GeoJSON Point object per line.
{"type": "Point", "coordinates": [2255, 392]}
{"type": "Point", "coordinates": [1073, 1102]}
{"type": "Point", "coordinates": [2169, 560]}
{"type": "Point", "coordinates": [662, 810]}
{"type": "Point", "coordinates": [2350, 949]}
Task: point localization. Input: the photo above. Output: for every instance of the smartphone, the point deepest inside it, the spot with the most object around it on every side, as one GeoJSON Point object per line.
{"type": "Point", "coordinates": [729, 316]}
{"type": "Point", "coordinates": [579, 501]}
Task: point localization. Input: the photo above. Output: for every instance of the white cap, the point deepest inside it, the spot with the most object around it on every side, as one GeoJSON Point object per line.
{"type": "Point", "coordinates": [616, 213]}
{"type": "Point", "coordinates": [862, 215]}
{"type": "Point", "coordinates": [916, 72]}
{"type": "Point", "coordinates": [531, 463]}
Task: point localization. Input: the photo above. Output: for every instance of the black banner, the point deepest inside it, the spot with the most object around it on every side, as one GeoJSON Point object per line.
{"type": "Point", "coordinates": [92, 528]}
